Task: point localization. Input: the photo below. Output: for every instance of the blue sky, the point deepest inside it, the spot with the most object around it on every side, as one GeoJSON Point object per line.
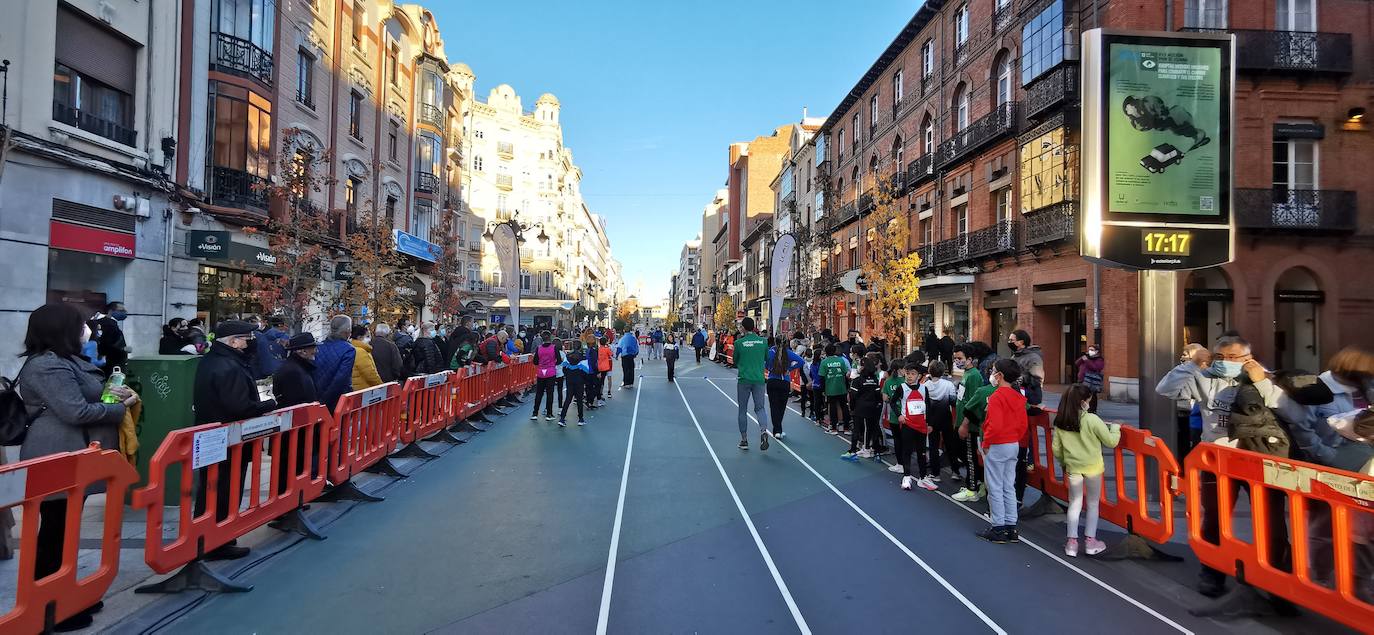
{"type": "Point", "coordinates": [653, 93]}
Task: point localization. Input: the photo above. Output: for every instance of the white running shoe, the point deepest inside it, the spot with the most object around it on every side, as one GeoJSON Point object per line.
{"type": "Point", "coordinates": [965, 495]}
{"type": "Point", "coordinates": [1071, 547]}
{"type": "Point", "coordinates": [897, 468]}
{"type": "Point", "coordinates": [581, 423]}
{"type": "Point", "coordinates": [865, 453]}
{"type": "Point", "coordinates": [907, 482]}
{"type": "Point", "coordinates": [926, 484]}
{"type": "Point", "coordinates": [1094, 546]}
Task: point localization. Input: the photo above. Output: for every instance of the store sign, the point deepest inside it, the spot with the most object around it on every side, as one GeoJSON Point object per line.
{"type": "Point", "coordinates": [1299, 130]}
{"type": "Point", "coordinates": [1299, 295]}
{"type": "Point", "coordinates": [344, 272]}
{"type": "Point", "coordinates": [409, 289]}
{"type": "Point", "coordinates": [412, 245]}
{"type": "Point", "coordinates": [1156, 169]}
{"type": "Point", "coordinates": [1208, 295]}
{"type": "Point", "coordinates": [90, 240]}
{"type": "Point", "coordinates": [216, 245]}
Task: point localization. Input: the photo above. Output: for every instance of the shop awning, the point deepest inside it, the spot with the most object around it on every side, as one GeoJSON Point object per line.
{"type": "Point", "coordinates": [537, 303]}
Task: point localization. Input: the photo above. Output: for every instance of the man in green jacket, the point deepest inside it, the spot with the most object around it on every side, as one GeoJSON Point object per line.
{"type": "Point", "coordinates": [970, 401]}
{"type": "Point", "coordinates": [751, 351]}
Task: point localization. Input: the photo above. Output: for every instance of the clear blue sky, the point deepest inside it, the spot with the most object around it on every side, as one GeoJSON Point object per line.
{"type": "Point", "coordinates": [653, 93]}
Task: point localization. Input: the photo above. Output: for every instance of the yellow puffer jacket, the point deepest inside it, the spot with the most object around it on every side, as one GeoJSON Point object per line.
{"type": "Point", "coordinates": [364, 369]}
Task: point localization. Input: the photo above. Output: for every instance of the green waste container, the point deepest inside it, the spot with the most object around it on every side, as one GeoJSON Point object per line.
{"type": "Point", "coordinates": [166, 384]}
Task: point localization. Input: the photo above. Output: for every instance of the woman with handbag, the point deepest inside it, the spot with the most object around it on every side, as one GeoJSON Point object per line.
{"type": "Point", "coordinates": [62, 397]}
{"type": "Point", "coordinates": [1090, 368]}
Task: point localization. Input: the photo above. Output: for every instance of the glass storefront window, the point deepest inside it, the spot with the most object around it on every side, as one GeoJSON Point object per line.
{"type": "Point", "coordinates": [87, 280]}
{"type": "Point", "coordinates": [956, 320]}
{"type": "Point", "coordinates": [225, 293]}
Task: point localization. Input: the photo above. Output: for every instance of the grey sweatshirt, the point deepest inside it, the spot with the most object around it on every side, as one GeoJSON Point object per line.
{"type": "Point", "coordinates": [1214, 395]}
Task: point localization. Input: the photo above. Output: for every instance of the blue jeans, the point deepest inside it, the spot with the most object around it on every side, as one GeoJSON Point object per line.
{"type": "Point", "coordinates": [999, 470]}
{"type": "Point", "coordinates": [743, 393]}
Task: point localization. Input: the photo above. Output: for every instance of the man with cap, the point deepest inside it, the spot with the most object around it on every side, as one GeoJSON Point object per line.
{"type": "Point", "coordinates": [225, 391]}
{"type": "Point", "coordinates": [293, 385]}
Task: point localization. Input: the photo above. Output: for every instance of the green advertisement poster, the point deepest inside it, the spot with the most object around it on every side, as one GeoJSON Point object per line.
{"type": "Point", "coordinates": [1164, 132]}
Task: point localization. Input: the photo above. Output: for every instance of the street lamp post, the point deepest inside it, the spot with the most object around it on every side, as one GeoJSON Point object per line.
{"type": "Point", "coordinates": [518, 229]}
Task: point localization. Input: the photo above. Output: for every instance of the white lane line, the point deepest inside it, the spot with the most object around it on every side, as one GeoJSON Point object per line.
{"type": "Point", "coordinates": [758, 541]}
{"type": "Point", "coordinates": [1053, 556]}
{"type": "Point", "coordinates": [882, 530]}
{"type": "Point", "coordinates": [606, 586]}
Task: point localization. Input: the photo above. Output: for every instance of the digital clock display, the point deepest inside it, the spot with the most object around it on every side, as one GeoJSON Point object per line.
{"type": "Point", "coordinates": [1170, 243]}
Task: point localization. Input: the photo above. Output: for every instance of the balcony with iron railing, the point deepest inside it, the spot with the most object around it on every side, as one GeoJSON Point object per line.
{"type": "Point", "coordinates": [431, 115]}
{"type": "Point", "coordinates": [238, 56]}
{"type": "Point", "coordinates": [505, 149]}
{"type": "Point", "coordinates": [1052, 89]}
{"type": "Point", "coordinates": [504, 181]}
{"type": "Point", "coordinates": [1300, 211]}
{"type": "Point", "coordinates": [236, 188]}
{"type": "Point", "coordinates": [1291, 51]}
{"type": "Point", "coordinates": [995, 125]}
{"type": "Point", "coordinates": [920, 170]}
{"type": "Point", "coordinates": [1053, 223]}
{"type": "Point", "coordinates": [848, 213]}
{"type": "Point", "coordinates": [426, 182]}
{"type": "Point", "coordinates": [95, 125]}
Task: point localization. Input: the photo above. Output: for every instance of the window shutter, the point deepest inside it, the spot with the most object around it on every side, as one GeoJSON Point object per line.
{"type": "Point", "coordinates": [95, 51]}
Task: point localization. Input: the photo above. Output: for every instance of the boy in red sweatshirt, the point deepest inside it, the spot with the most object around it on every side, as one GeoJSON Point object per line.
{"type": "Point", "coordinates": [1003, 429]}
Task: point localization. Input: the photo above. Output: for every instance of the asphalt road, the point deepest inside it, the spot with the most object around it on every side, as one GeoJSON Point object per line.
{"type": "Point", "coordinates": [532, 528]}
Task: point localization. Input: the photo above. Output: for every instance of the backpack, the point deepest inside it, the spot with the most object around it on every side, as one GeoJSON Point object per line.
{"type": "Point", "coordinates": [1254, 427]}
{"type": "Point", "coordinates": [14, 416]}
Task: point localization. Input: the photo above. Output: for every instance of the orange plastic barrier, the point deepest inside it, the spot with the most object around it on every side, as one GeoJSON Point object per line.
{"type": "Point", "coordinates": [222, 449]}
{"type": "Point", "coordinates": [26, 484]}
{"type": "Point", "coordinates": [1131, 507]}
{"type": "Point", "coordinates": [469, 392]}
{"type": "Point", "coordinates": [429, 405]}
{"type": "Point", "coordinates": [1350, 498]}
{"type": "Point", "coordinates": [368, 423]}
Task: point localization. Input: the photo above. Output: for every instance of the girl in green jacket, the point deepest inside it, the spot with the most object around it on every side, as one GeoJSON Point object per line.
{"type": "Point", "coordinates": [1078, 439]}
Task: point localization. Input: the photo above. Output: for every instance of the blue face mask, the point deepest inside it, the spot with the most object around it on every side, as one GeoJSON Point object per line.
{"type": "Point", "coordinates": [119, 315]}
{"type": "Point", "coordinates": [1226, 369]}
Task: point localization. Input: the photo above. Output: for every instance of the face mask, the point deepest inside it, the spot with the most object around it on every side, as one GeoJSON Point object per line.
{"type": "Point", "coordinates": [119, 315]}
{"type": "Point", "coordinates": [367, 340]}
{"type": "Point", "coordinates": [443, 332]}
{"type": "Point", "coordinates": [1226, 369]}
{"type": "Point", "coordinates": [1092, 353]}
{"type": "Point", "coordinates": [412, 330]}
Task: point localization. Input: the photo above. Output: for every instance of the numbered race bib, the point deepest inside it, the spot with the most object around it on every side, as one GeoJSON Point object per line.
{"type": "Point", "coordinates": [915, 407]}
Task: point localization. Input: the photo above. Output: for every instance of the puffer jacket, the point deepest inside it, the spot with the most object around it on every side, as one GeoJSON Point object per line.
{"type": "Point", "coordinates": [428, 358]}
{"type": "Point", "coordinates": [364, 367]}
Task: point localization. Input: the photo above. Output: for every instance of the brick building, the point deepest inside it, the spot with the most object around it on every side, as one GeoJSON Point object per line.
{"type": "Point", "coordinates": [970, 117]}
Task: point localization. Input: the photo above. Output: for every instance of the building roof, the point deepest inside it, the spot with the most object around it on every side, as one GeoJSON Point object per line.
{"type": "Point", "coordinates": [904, 38]}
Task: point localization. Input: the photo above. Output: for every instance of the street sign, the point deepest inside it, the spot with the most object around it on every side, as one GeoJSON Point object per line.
{"type": "Point", "coordinates": [854, 282]}
{"type": "Point", "coordinates": [1157, 149]}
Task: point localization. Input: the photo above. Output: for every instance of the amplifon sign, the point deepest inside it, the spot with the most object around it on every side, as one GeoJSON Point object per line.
{"type": "Point", "coordinates": [91, 240]}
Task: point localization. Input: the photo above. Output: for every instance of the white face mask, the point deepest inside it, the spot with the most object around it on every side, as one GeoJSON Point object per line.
{"type": "Point", "coordinates": [367, 340]}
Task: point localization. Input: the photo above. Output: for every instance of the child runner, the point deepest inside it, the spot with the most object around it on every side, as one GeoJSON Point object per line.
{"type": "Point", "coordinates": [867, 392]}
{"type": "Point", "coordinates": [893, 418]}
{"type": "Point", "coordinates": [939, 394]}
{"type": "Point", "coordinates": [966, 358]}
{"type": "Point", "coordinates": [779, 364]}
{"type": "Point", "coordinates": [576, 372]}
{"type": "Point", "coordinates": [604, 363]}
{"type": "Point", "coordinates": [668, 351]}
{"type": "Point", "coordinates": [546, 358]}
{"type": "Point", "coordinates": [1003, 428]}
{"type": "Point", "coordinates": [1078, 439]}
{"type": "Point", "coordinates": [910, 403]}
{"type": "Point", "coordinates": [817, 389]}
{"type": "Point", "coordinates": [835, 375]}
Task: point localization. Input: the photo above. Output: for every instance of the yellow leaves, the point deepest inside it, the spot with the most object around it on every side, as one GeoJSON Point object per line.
{"type": "Point", "coordinates": [725, 313]}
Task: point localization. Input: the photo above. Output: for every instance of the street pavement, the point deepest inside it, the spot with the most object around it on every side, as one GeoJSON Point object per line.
{"type": "Point", "coordinates": [650, 520]}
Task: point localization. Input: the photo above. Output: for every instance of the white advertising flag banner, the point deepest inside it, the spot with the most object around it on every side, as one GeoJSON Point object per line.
{"type": "Point", "coordinates": [508, 254]}
{"type": "Point", "coordinates": [782, 272]}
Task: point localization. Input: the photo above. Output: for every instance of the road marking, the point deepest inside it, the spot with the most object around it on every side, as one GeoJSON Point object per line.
{"type": "Point", "coordinates": [605, 611]}
{"type": "Point", "coordinates": [758, 541]}
{"type": "Point", "coordinates": [882, 530]}
{"type": "Point", "coordinates": [1053, 556]}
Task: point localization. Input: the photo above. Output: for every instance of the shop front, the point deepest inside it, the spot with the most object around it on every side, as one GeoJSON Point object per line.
{"type": "Point", "coordinates": [87, 264]}
{"type": "Point", "coordinates": [233, 277]}
{"type": "Point", "coordinates": [943, 308]}
{"type": "Point", "coordinates": [1061, 308]}
{"type": "Point", "coordinates": [1001, 308]}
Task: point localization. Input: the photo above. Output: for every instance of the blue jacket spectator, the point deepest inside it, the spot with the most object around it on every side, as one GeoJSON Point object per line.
{"type": "Point", "coordinates": [699, 339]}
{"type": "Point", "coordinates": [334, 362]}
{"type": "Point", "coordinates": [271, 343]}
{"type": "Point", "coordinates": [629, 345]}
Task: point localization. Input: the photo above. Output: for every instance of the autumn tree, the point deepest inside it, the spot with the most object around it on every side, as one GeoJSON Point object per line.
{"type": "Point", "coordinates": [628, 311]}
{"type": "Point", "coordinates": [446, 289]}
{"type": "Point", "coordinates": [725, 314]}
{"type": "Point", "coordinates": [299, 233]}
{"type": "Point", "coordinates": [889, 266]}
{"type": "Point", "coordinates": [374, 266]}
